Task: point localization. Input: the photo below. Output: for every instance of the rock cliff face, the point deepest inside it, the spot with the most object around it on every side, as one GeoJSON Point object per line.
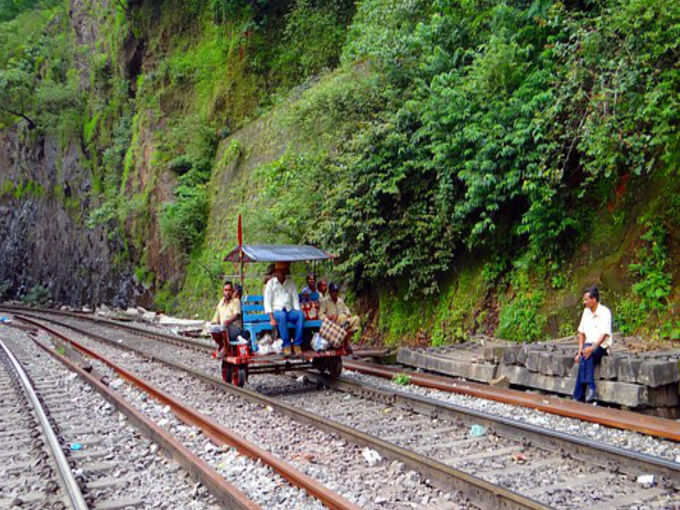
{"type": "Point", "coordinates": [44, 241]}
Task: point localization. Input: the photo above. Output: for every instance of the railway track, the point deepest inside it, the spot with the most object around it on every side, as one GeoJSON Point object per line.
{"type": "Point", "coordinates": [262, 483]}
{"type": "Point", "coordinates": [35, 472]}
{"type": "Point", "coordinates": [496, 456]}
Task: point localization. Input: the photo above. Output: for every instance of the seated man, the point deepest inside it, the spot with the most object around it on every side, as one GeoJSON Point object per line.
{"type": "Point", "coordinates": [282, 303]}
{"type": "Point", "coordinates": [334, 308]}
{"type": "Point", "coordinates": [594, 338]}
{"type": "Point", "coordinates": [322, 287]}
{"type": "Point", "coordinates": [311, 288]}
{"type": "Point", "coordinates": [227, 318]}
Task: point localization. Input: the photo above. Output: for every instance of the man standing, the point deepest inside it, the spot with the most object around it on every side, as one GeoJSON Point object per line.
{"type": "Point", "coordinates": [334, 308]}
{"type": "Point", "coordinates": [594, 338]}
{"type": "Point", "coordinates": [227, 318]}
{"type": "Point", "coordinates": [282, 303]}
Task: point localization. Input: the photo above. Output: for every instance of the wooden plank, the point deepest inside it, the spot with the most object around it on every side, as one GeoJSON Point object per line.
{"type": "Point", "coordinates": [482, 455]}
{"type": "Point", "coordinates": [637, 497]}
{"type": "Point", "coordinates": [571, 483]}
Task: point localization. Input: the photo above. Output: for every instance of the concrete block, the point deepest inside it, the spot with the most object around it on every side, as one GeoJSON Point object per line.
{"type": "Point", "coordinates": [561, 364]}
{"type": "Point", "coordinates": [522, 355]}
{"type": "Point", "coordinates": [482, 372]}
{"type": "Point", "coordinates": [532, 362]}
{"type": "Point", "coordinates": [510, 354]}
{"type": "Point", "coordinates": [493, 353]}
{"type": "Point", "coordinates": [627, 369]}
{"type": "Point", "coordinates": [664, 396]}
{"type": "Point", "coordinates": [544, 366]}
{"type": "Point", "coordinates": [625, 394]}
{"type": "Point", "coordinates": [657, 373]}
{"type": "Point", "coordinates": [555, 363]}
{"type": "Point", "coordinates": [608, 366]}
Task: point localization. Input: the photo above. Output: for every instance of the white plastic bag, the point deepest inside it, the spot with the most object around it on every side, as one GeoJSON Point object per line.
{"type": "Point", "coordinates": [265, 349]}
{"type": "Point", "coordinates": [319, 343]}
{"type": "Point", "coordinates": [277, 346]}
{"type": "Point", "coordinates": [265, 340]}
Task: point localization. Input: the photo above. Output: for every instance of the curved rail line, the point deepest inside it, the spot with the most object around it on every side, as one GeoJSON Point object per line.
{"type": "Point", "coordinates": [199, 470]}
{"type": "Point", "coordinates": [480, 491]}
{"type": "Point", "coordinates": [67, 479]}
{"type": "Point", "coordinates": [213, 429]}
{"type": "Point", "coordinates": [610, 417]}
{"type": "Point", "coordinates": [596, 452]}
{"type": "Point", "coordinates": [601, 454]}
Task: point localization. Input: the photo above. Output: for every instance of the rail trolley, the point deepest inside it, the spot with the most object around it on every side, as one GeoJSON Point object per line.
{"type": "Point", "coordinates": [242, 360]}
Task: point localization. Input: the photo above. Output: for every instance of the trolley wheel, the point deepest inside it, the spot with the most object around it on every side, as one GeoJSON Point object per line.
{"type": "Point", "coordinates": [320, 364]}
{"type": "Point", "coordinates": [242, 375]}
{"type": "Point", "coordinates": [334, 367]}
{"type": "Point", "coordinates": [226, 371]}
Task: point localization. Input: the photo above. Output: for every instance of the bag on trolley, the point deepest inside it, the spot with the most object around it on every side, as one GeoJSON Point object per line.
{"type": "Point", "coordinates": [332, 332]}
{"type": "Point", "coordinates": [319, 343]}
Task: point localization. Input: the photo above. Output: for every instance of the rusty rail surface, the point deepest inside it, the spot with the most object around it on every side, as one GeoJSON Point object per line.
{"type": "Point", "coordinates": [200, 471]}
{"type": "Point", "coordinates": [480, 491]}
{"type": "Point", "coordinates": [611, 417]}
{"type": "Point", "coordinates": [617, 418]}
{"type": "Point", "coordinates": [214, 430]}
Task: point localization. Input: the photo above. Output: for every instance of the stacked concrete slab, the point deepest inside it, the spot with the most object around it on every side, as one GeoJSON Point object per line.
{"type": "Point", "coordinates": [646, 381]}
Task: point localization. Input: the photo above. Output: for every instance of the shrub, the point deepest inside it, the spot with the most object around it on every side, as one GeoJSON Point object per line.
{"type": "Point", "coordinates": [520, 319]}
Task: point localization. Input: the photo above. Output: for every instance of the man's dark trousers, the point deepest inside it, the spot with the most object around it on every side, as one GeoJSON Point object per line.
{"type": "Point", "coordinates": [586, 372]}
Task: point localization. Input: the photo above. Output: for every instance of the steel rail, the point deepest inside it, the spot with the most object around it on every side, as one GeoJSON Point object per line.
{"type": "Point", "coordinates": [210, 427]}
{"type": "Point", "coordinates": [198, 469]}
{"type": "Point", "coordinates": [68, 481]}
{"type": "Point", "coordinates": [477, 490]}
{"type": "Point", "coordinates": [599, 453]}
{"type": "Point", "coordinates": [626, 461]}
{"type": "Point", "coordinates": [610, 417]}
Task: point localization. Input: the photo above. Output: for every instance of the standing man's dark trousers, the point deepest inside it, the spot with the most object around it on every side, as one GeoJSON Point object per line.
{"type": "Point", "coordinates": [586, 372]}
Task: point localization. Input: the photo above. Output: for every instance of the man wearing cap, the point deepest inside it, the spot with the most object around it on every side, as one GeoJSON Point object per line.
{"type": "Point", "coordinates": [227, 318]}
{"type": "Point", "coordinates": [334, 308]}
{"type": "Point", "coordinates": [282, 303]}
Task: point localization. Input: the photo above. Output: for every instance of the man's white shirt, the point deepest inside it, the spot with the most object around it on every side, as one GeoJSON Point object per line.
{"type": "Point", "coordinates": [594, 325]}
{"type": "Point", "coordinates": [278, 296]}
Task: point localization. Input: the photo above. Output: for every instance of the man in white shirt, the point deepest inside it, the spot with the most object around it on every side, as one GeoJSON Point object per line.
{"type": "Point", "coordinates": [282, 303]}
{"type": "Point", "coordinates": [594, 338]}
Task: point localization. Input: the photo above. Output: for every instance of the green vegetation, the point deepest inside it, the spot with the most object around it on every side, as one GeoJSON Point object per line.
{"type": "Point", "coordinates": [402, 379]}
{"type": "Point", "coordinates": [469, 161]}
{"type": "Point", "coordinates": [37, 295]}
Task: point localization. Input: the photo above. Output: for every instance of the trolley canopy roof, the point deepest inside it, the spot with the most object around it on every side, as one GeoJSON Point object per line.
{"type": "Point", "coordinates": [277, 253]}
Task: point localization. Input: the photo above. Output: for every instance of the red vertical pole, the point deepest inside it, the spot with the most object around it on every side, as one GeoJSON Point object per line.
{"type": "Point", "coordinates": [240, 247]}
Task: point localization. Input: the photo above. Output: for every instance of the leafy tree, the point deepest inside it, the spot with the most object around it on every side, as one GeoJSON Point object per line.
{"type": "Point", "coordinates": [16, 96]}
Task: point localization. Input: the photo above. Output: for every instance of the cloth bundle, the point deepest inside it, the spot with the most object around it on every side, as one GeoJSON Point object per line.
{"type": "Point", "coordinates": [332, 332]}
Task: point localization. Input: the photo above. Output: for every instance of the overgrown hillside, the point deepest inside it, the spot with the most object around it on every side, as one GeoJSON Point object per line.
{"type": "Point", "coordinates": [474, 163]}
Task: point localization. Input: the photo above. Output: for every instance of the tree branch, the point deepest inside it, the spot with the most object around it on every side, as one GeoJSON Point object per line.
{"type": "Point", "coordinates": [31, 123]}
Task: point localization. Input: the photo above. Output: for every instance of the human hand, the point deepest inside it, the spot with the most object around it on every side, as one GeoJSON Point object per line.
{"type": "Point", "coordinates": [587, 352]}
{"type": "Point", "coordinates": [577, 358]}
{"type": "Point", "coordinates": [272, 321]}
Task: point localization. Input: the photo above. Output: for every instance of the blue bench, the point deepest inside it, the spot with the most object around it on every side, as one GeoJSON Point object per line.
{"type": "Point", "coordinates": [256, 321]}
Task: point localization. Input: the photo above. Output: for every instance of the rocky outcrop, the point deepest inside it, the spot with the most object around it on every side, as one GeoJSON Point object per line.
{"type": "Point", "coordinates": [44, 240]}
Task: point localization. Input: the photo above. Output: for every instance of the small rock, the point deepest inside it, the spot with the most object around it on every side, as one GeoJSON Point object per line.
{"type": "Point", "coordinates": [371, 456]}
{"type": "Point", "coordinates": [646, 480]}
